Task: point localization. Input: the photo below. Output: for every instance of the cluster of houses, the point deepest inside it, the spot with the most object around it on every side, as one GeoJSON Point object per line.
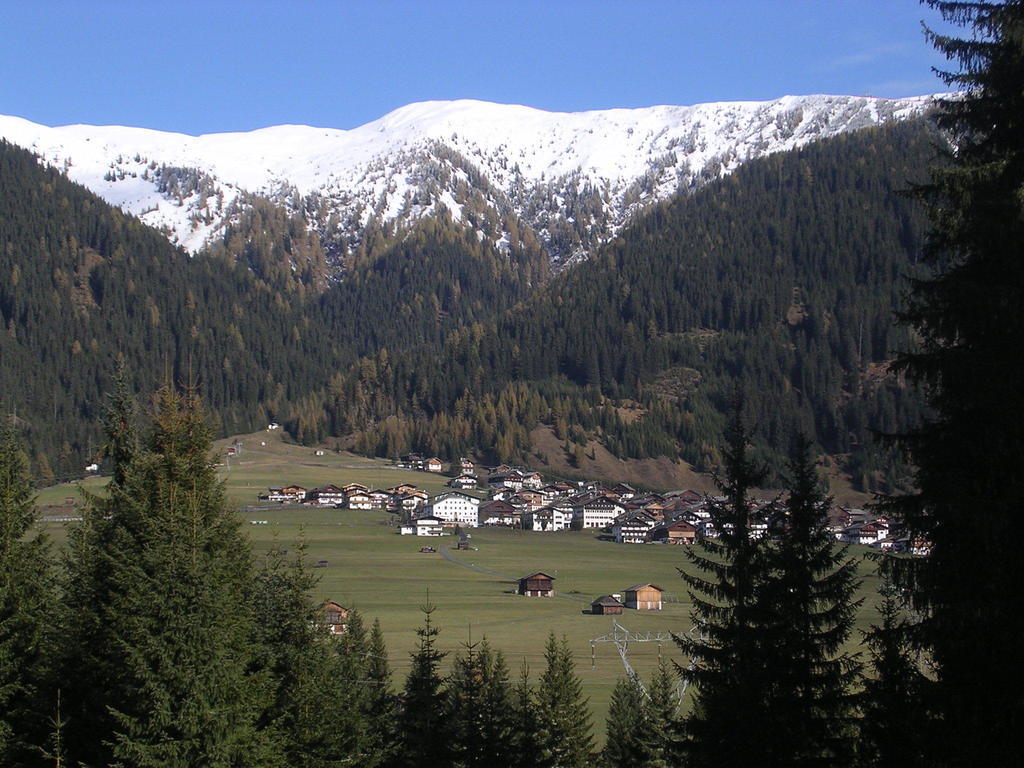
{"type": "Point", "coordinates": [432, 464]}
{"type": "Point", "coordinates": [682, 517]}
{"type": "Point", "coordinates": [520, 498]}
{"type": "Point", "coordinates": [401, 498]}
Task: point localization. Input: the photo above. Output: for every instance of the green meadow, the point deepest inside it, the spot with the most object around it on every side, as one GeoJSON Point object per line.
{"type": "Point", "coordinates": [384, 575]}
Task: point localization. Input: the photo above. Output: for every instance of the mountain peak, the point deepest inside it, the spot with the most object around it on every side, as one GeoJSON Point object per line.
{"type": "Point", "coordinates": [573, 177]}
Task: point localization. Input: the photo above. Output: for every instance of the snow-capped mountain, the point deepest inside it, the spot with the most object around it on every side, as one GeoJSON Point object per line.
{"type": "Point", "coordinates": [573, 178]}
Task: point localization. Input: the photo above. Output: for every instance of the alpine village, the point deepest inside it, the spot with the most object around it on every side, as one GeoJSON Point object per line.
{"type": "Point", "coordinates": [481, 435]}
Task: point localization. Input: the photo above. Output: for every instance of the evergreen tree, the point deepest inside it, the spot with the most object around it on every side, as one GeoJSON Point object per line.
{"type": "Point", "coordinates": [310, 716]}
{"type": "Point", "coordinates": [525, 751]}
{"type": "Point", "coordinates": [811, 590]}
{"type": "Point", "coordinates": [382, 706]}
{"type": "Point", "coordinates": [166, 561]}
{"type": "Point", "coordinates": [351, 693]}
{"type": "Point", "coordinates": [26, 601]}
{"type": "Point", "coordinates": [90, 665]}
{"type": "Point", "coordinates": [120, 425]}
{"type": "Point", "coordinates": [665, 735]}
{"type": "Point", "coordinates": [183, 621]}
{"type": "Point", "coordinates": [643, 727]}
{"type": "Point", "coordinates": [480, 708]}
{"type": "Point", "coordinates": [629, 720]}
{"type": "Point", "coordinates": [423, 729]}
{"type": "Point", "coordinates": [563, 737]}
{"type": "Point", "coordinates": [728, 654]}
{"type": "Point", "coordinates": [499, 733]}
{"type": "Point", "coordinates": [970, 451]}
{"type": "Point", "coordinates": [894, 723]}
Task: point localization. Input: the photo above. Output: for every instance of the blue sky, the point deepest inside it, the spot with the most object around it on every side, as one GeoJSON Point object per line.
{"type": "Point", "coordinates": [200, 67]}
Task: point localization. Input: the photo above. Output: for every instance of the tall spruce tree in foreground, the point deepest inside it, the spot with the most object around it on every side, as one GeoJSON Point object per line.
{"type": "Point", "coordinates": [562, 737]}
{"type": "Point", "coordinates": [423, 729]}
{"type": "Point", "coordinates": [90, 665]}
{"type": "Point", "coordinates": [665, 735]}
{"type": "Point", "coordinates": [382, 705]}
{"type": "Point", "coordinates": [629, 721]}
{"type": "Point", "coordinates": [169, 572]}
{"type": "Point", "coordinates": [317, 715]}
{"type": "Point", "coordinates": [27, 598]}
{"type": "Point", "coordinates": [525, 753]}
{"type": "Point", "coordinates": [894, 722]}
{"type": "Point", "coordinates": [352, 694]}
{"type": "Point", "coordinates": [727, 654]}
{"type": "Point", "coordinates": [182, 618]}
{"type": "Point", "coordinates": [479, 712]}
{"type": "Point", "coordinates": [970, 453]}
{"type": "Point", "coordinates": [643, 727]}
{"type": "Point", "coordinates": [811, 589]}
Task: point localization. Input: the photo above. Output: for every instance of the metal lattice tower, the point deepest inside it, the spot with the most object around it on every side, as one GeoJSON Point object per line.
{"type": "Point", "coordinates": [622, 637]}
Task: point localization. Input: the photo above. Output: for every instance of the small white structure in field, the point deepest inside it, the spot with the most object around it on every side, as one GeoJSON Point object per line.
{"type": "Point", "coordinates": [423, 526]}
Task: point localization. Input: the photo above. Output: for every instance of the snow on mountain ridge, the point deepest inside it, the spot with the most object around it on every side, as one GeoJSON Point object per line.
{"type": "Point", "coordinates": [427, 154]}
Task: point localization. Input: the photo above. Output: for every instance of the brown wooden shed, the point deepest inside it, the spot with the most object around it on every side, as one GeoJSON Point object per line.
{"type": "Point", "coordinates": [606, 605]}
{"type": "Point", "coordinates": [644, 597]}
{"type": "Point", "coordinates": [335, 616]}
{"type": "Point", "coordinates": [537, 585]}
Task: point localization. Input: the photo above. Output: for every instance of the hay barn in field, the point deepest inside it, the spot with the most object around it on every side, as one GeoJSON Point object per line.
{"type": "Point", "coordinates": [644, 597]}
{"type": "Point", "coordinates": [606, 605]}
{"type": "Point", "coordinates": [537, 585]}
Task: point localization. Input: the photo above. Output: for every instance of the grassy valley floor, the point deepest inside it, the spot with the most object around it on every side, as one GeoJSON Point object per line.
{"type": "Point", "coordinates": [372, 568]}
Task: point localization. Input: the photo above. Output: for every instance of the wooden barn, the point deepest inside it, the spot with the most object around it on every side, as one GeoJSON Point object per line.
{"type": "Point", "coordinates": [335, 617]}
{"type": "Point", "coordinates": [606, 605]}
{"type": "Point", "coordinates": [644, 597]}
{"type": "Point", "coordinates": [537, 585]}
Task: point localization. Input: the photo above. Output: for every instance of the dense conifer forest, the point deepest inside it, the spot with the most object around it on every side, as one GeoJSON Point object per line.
{"type": "Point", "coordinates": [83, 284]}
{"type": "Point", "coordinates": [780, 279]}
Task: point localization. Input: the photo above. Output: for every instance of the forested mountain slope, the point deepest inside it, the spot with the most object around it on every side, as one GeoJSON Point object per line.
{"type": "Point", "coordinates": [780, 280]}
{"type": "Point", "coordinates": [81, 283]}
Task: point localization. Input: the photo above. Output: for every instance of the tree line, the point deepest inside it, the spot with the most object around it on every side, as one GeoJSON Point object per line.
{"type": "Point", "coordinates": [161, 639]}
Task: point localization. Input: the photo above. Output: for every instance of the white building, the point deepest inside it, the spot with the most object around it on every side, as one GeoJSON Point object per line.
{"type": "Point", "coordinates": [358, 500]}
{"type": "Point", "coordinates": [455, 508]}
{"type": "Point", "coordinates": [864, 533]}
{"type": "Point", "coordinates": [423, 526]}
{"type": "Point", "coordinates": [633, 528]}
{"type": "Point", "coordinates": [598, 513]}
{"type": "Point", "coordinates": [464, 482]}
{"type": "Point", "coordinates": [554, 517]}
{"type": "Point", "coordinates": [327, 496]}
{"type": "Point", "coordinates": [531, 480]}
